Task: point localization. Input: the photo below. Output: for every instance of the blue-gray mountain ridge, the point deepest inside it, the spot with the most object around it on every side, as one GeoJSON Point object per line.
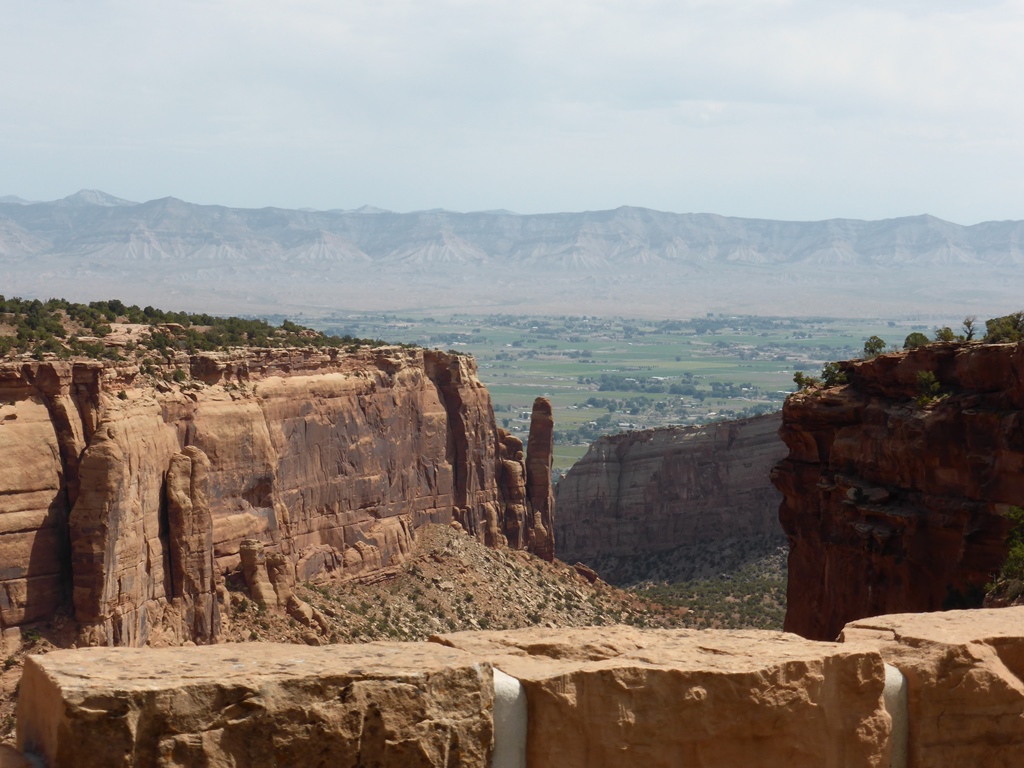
{"type": "Point", "coordinates": [627, 261]}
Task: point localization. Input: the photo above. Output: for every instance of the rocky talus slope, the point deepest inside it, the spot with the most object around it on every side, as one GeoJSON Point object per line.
{"type": "Point", "coordinates": [132, 492]}
{"type": "Point", "coordinates": [894, 502]}
{"type": "Point", "coordinates": [638, 494]}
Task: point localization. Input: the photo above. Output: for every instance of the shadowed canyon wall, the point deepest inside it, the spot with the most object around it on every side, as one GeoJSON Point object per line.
{"type": "Point", "coordinates": [893, 506]}
{"type": "Point", "coordinates": [132, 495]}
{"type": "Point", "coordinates": [640, 492]}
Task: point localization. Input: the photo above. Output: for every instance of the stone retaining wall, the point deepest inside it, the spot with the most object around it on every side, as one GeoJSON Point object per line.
{"type": "Point", "coordinates": [917, 690]}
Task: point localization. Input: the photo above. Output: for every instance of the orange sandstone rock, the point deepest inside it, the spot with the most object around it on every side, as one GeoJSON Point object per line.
{"type": "Point", "coordinates": [133, 505]}
{"type": "Point", "coordinates": [257, 705]}
{"type": "Point", "coordinates": [965, 681]}
{"type": "Point", "coordinates": [891, 506]}
{"type": "Point", "coordinates": [190, 540]}
{"type": "Point", "coordinates": [640, 492]}
{"type": "Point", "coordinates": [11, 758]}
{"type": "Point", "coordinates": [540, 497]}
{"type": "Point", "coordinates": [616, 697]}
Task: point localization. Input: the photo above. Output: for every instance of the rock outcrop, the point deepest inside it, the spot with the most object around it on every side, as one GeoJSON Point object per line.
{"type": "Point", "coordinates": [965, 682]}
{"type": "Point", "coordinates": [610, 697]}
{"type": "Point", "coordinates": [641, 492]}
{"type": "Point", "coordinates": [540, 496]}
{"type": "Point", "coordinates": [132, 494]}
{"type": "Point", "coordinates": [937, 690]}
{"type": "Point", "coordinates": [895, 506]}
{"type": "Point", "coordinates": [525, 480]}
{"type": "Point", "coordinates": [258, 705]}
{"type": "Point", "coordinates": [190, 542]}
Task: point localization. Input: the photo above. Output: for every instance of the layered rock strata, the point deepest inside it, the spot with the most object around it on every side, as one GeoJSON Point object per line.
{"type": "Point", "coordinates": [131, 494]}
{"type": "Point", "coordinates": [641, 492]}
{"type": "Point", "coordinates": [896, 505]}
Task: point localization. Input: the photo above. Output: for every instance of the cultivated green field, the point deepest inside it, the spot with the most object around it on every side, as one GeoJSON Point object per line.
{"type": "Point", "coordinates": [605, 375]}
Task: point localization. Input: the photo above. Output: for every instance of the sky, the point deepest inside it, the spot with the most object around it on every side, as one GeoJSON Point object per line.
{"type": "Point", "coordinates": [798, 110]}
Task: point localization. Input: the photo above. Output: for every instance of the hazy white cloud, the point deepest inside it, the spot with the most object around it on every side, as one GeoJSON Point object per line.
{"type": "Point", "coordinates": [787, 109]}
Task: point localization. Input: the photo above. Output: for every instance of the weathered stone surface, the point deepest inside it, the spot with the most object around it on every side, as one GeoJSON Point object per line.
{"type": "Point", "coordinates": [965, 680]}
{"type": "Point", "coordinates": [399, 705]}
{"type": "Point", "coordinates": [119, 551]}
{"type": "Point", "coordinates": [190, 534]}
{"type": "Point", "coordinates": [540, 506]}
{"type": "Point", "coordinates": [11, 758]}
{"type": "Point", "coordinates": [617, 696]}
{"type": "Point", "coordinates": [892, 507]}
{"type": "Point", "coordinates": [330, 460]}
{"type": "Point", "coordinates": [659, 489]}
{"type": "Point", "coordinates": [919, 690]}
{"type": "Point", "coordinates": [512, 480]}
{"type": "Point", "coordinates": [254, 571]}
{"type": "Point", "coordinates": [38, 436]}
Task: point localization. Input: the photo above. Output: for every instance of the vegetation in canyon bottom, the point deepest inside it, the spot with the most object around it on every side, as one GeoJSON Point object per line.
{"type": "Point", "coordinates": [729, 583]}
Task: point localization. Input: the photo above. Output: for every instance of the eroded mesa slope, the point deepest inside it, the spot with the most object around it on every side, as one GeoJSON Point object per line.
{"type": "Point", "coordinates": [132, 494]}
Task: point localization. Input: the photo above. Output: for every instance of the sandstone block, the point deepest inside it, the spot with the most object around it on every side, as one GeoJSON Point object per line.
{"type": "Point", "coordinates": [965, 682]}
{"type": "Point", "coordinates": [619, 697]}
{"type": "Point", "coordinates": [397, 705]}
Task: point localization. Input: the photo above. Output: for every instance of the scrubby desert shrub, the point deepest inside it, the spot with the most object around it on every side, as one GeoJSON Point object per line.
{"type": "Point", "coordinates": [915, 340]}
{"type": "Point", "coordinates": [928, 388]}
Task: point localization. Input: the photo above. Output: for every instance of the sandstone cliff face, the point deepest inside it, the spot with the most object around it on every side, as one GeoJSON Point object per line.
{"type": "Point", "coordinates": [641, 492]}
{"type": "Point", "coordinates": [132, 495]}
{"type": "Point", "coordinates": [892, 507]}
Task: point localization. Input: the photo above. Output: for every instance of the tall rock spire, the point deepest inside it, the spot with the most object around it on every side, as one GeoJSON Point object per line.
{"type": "Point", "coordinates": [539, 495]}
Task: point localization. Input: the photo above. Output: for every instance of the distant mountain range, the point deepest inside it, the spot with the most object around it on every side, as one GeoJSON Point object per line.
{"type": "Point", "coordinates": [628, 261]}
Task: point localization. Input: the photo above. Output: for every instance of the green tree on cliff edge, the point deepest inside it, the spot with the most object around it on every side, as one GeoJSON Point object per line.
{"type": "Point", "coordinates": [915, 340]}
{"type": "Point", "coordinates": [873, 347]}
{"type": "Point", "coordinates": [1006, 328]}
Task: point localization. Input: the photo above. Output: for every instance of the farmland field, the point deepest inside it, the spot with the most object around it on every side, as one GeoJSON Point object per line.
{"type": "Point", "coordinates": [606, 375]}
